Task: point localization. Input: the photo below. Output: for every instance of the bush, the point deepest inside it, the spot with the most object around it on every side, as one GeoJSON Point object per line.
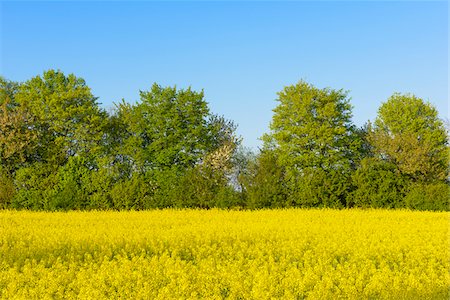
{"type": "Point", "coordinates": [133, 193]}
{"type": "Point", "coordinates": [264, 184]}
{"type": "Point", "coordinates": [100, 186]}
{"type": "Point", "coordinates": [205, 187]}
{"type": "Point", "coordinates": [35, 188]}
{"type": "Point", "coordinates": [73, 182]}
{"type": "Point", "coordinates": [377, 183]}
{"type": "Point", "coordinates": [432, 196]}
{"type": "Point", "coordinates": [7, 189]}
{"type": "Point", "coordinates": [318, 188]}
{"type": "Point", "coordinates": [164, 187]}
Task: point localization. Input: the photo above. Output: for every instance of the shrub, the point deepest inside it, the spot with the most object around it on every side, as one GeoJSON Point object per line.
{"type": "Point", "coordinates": [35, 188]}
{"type": "Point", "coordinates": [7, 190]}
{"type": "Point", "coordinates": [264, 184]}
{"type": "Point", "coordinates": [377, 184]}
{"type": "Point", "coordinates": [432, 196]}
{"type": "Point", "coordinates": [319, 188]}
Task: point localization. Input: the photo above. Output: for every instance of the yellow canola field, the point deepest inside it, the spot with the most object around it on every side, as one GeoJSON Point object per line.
{"type": "Point", "coordinates": [216, 254]}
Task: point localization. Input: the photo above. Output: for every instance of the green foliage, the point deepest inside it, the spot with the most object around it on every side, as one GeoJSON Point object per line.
{"type": "Point", "coordinates": [316, 143]}
{"type": "Point", "coordinates": [431, 196]}
{"type": "Point", "coordinates": [377, 184]}
{"type": "Point", "coordinates": [7, 189]}
{"type": "Point", "coordinates": [18, 134]}
{"type": "Point", "coordinates": [35, 186]}
{"type": "Point", "coordinates": [409, 134]}
{"type": "Point", "coordinates": [264, 183]}
{"type": "Point", "coordinates": [60, 151]}
{"type": "Point", "coordinates": [312, 128]}
{"type": "Point", "coordinates": [67, 117]}
{"type": "Point", "coordinates": [318, 188]}
{"type": "Point", "coordinates": [168, 127]}
{"type": "Point", "coordinates": [204, 187]}
{"type": "Point", "coordinates": [72, 187]}
{"type": "Point", "coordinates": [165, 187]}
{"type": "Point", "coordinates": [133, 193]}
{"type": "Point", "coordinates": [197, 188]}
{"type": "Point", "coordinates": [242, 170]}
{"type": "Point", "coordinates": [7, 90]}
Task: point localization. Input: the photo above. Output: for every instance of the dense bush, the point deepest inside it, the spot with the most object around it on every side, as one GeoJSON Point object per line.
{"type": "Point", "coordinates": [431, 196]}
{"type": "Point", "coordinates": [7, 189]}
{"type": "Point", "coordinates": [205, 188]}
{"type": "Point", "coordinates": [35, 188]}
{"type": "Point", "coordinates": [317, 188]}
{"type": "Point", "coordinates": [265, 184]}
{"type": "Point", "coordinates": [377, 184]}
{"type": "Point", "coordinates": [133, 193]}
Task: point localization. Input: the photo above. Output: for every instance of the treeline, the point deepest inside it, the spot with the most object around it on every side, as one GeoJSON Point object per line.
{"type": "Point", "coordinates": [59, 150]}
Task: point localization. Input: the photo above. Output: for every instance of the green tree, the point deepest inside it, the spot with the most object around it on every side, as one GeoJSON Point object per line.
{"type": "Point", "coordinates": [243, 164]}
{"type": "Point", "coordinates": [171, 127]}
{"type": "Point", "coordinates": [315, 139]}
{"type": "Point", "coordinates": [8, 89]}
{"type": "Point", "coordinates": [67, 116]}
{"type": "Point", "coordinates": [168, 127]}
{"type": "Point", "coordinates": [208, 184]}
{"type": "Point", "coordinates": [428, 196]}
{"type": "Point", "coordinates": [312, 127]}
{"type": "Point", "coordinates": [171, 138]}
{"type": "Point", "coordinates": [18, 136]}
{"type": "Point", "coordinates": [318, 188]}
{"type": "Point", "coordinates": [36, 187]}
{"type": "Point", "coordinates": [408, 133]}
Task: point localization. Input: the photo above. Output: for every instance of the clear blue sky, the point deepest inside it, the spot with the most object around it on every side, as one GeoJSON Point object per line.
{"type": "Point", "coordinates": [240, 53]}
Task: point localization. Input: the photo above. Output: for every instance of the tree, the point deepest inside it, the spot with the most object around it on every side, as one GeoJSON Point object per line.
{"type": "Point", "coordinates": [429, 196]}
{"type": "Point", "coordinates": [312, 127]}
{"type": "Point", "coordinates": [171, 127]}
{"type": "Point", "coordinates": [408, 133]}
{"type": "Point", "coordinates": [67, 116]}
{"type": "Point", "coordinates": [242, 161]}
{"type": "Point", "coordinates": [316, 143]}
{"type": "Point", "coordinates": [171, 138]}
{"type": "Point", "coordinates": [36, 187]}
{"type": "Point", "coordinates": [8, 89]}
{"type": "Point", "coordinates": [18, 134]}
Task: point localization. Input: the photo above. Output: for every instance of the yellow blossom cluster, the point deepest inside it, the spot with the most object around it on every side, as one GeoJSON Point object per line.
{"type": "Point", "coordinates": [218, 254]}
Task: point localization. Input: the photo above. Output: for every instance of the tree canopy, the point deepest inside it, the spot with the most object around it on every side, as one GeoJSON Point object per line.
{"type": "Point", "coordinates": [408, 133]}
{"type": "Point", "coordinates": [171, 127]}
{"type": "Point", "coordinates": [60, 150]}
{"type": "Point", "coordinates": [66, 116]}
{"type": "Point", "coordinates": [312, 127]}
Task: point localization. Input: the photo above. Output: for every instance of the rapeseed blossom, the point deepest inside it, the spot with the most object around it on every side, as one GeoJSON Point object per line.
{"type": "Point", "coordinates": [217, 254]}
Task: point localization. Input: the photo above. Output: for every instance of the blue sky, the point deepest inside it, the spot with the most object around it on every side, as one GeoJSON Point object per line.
{"type": "Point", "coordinates": [240, 53]}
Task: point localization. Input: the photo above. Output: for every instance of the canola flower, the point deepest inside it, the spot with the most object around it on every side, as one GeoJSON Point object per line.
{"type": "Point", "coordinates": [218, 254]}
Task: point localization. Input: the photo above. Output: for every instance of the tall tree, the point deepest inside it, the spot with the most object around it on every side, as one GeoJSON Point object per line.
{"type": "Point", "coordinates": [68, 117]}
{"type": "Point", "coordinates": [171, 127]}
{"type": "Point", "coordinates": [18, 133]}
{"type": "Point", "coordinates": [408, 133]}
{"type": "Point", "coordinates": [312, 128]}
{"type": "Point", "coordinates": [316, 142]}
{"type": "Point", "coordinates": [8, 89]}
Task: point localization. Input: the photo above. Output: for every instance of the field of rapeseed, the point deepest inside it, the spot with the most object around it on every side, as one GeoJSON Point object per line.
{"type": "Point", "coordinates": [214, 254]}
